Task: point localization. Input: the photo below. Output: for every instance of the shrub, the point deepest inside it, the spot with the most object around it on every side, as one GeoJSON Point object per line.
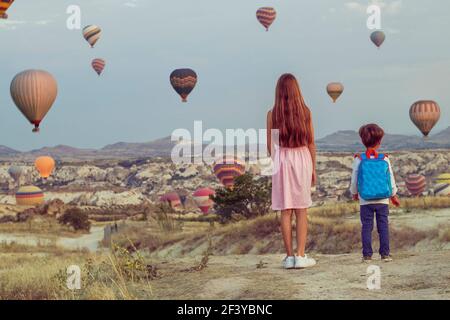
{"type": "Point", "coordinates": [249, 198]}
{"type": "Point", "coordinates": [76, 218]}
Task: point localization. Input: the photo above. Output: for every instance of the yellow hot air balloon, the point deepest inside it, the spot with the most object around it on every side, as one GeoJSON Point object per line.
{"type": "Point", "coordinates": [45, 166]}
{"type": "Point", "coordinates": [425, 114]}
{"type": "Point", "coordinates": [34, 92]}
{"type": "Point", "coordinates": [29, 196]}
{"type": "Point", "coordinates": [443, 178]}
{"type": "Point", "coordinates": [335, 90]}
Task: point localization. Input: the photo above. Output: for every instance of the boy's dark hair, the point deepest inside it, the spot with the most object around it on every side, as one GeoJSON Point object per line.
{"type": "Point", "coordinates": [371, 135]}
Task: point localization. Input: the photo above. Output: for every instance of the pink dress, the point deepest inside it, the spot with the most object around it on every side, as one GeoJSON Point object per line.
{"type": "Point", "coordinates": [291, 178]}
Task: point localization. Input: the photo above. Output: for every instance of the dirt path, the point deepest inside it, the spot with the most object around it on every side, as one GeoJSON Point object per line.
{"type": "Point", "coordinates": [410, 276]}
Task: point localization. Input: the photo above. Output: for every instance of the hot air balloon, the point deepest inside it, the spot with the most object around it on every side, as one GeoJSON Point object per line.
{"type": "Point", "coordinates": [266, 16]}
{"type": "Point", "coordinates": [183, 81]}
{"type": "Point", "coordinates": [442, 187]}
{"type": "Point", "coordinates": [172, 198]}
{"type": "Point", "coordinates": [45, 166]}
{"type": "Point", "coordinates": [29, 196]}
{"type": "Point", "coordinates": [203, 200]}
{"type": "Point", "coordinates": [415, 183]}
{"type": "Point", "coordinates": [4, 6]}
{"type": "Point", "coordinates": [92, 33]}
{"type": "Point", "coordinates": [443, 178]}
{"type": "Point", "coordinates": [15, 172]}
{"type": "Point", "coordinates": [378, 38]}
{"type": "Point", "coordinates": [335, 90]}
{"type": "Point", "coordinates": [227, 169]}
{"type": "Point", "coordinates": [98, 65]}
{"type": "Point", "coordinates": [425, 114]}
{"type": "Point", "coordinates": [34, 92]}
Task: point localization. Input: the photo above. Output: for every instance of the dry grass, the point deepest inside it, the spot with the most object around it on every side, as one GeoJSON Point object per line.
{"type": "Point", "coordinates": [42, 276]}
{"type": "Point", "coordinates": [40, 225]}
{"type": "Point", "coordinates": [425, 203]}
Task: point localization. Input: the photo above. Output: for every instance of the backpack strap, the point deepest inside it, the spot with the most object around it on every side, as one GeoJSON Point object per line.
{"type": "Point", "coordinates": [371, 152]}
{"type": "Point", "coordinates": [381, 156]}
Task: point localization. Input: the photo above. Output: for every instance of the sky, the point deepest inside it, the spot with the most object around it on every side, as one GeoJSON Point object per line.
{"type": "Point", "coordinates": [237, 62]}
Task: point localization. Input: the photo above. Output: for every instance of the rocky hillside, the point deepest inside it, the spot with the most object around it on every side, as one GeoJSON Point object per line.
{"type": "Point", "coordinates": [113, 182]}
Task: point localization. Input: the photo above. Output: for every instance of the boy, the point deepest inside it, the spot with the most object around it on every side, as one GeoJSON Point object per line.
{"type": "Point", "coordinates": [379, 186]}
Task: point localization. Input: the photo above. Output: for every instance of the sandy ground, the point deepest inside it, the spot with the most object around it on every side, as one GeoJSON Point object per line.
{"type": "Point", "coordinates": [409, 276]}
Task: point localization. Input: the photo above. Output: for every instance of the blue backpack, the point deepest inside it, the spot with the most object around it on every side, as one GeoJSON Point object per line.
{"type": "Point", "coordinates": [374, 178]}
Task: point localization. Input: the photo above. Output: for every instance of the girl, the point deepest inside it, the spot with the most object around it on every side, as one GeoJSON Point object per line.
{"type": "Point", "coordinates": [291, 145]}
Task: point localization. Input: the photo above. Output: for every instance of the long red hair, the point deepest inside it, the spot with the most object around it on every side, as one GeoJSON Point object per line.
{"type": "Point", "coordinates": [290, 114]}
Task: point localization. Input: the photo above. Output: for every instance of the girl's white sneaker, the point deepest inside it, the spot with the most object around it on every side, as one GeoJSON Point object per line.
{"type": "Point", "coordinates": [289, 263]}
{"type": "Point", "coordinates": [304, 262]}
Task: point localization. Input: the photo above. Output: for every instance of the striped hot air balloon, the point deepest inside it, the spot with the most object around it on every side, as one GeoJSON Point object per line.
{"type": "Point", "coordinates": [378, 38]}
{"type": "Point", "coordinates": [172, 198]}
{"type": "Point", "coordinates": [227, 169]}
{"type": "Point", "coordinates": [34, 92]}
{"type": "Point", "coordinates": [29, 196]}
{"type": "Point", "coordinates": [45, 166]}
{"type": "Point", "coordinates": [92, 33]}
{"type": "Point", "coordinates": [415, 183]}
{"type": "Point", "coordinates": [335, 90]}
{"type": "Point", "coordinates": [425, 114]}
{"type": "Point", "coordinates": [443, 178]}
{"type": "Point", "coordinates": [4, 6]}
{"type": "Point", "coordinates": [183, 81]}
{"type": "Point", "coordinates": [203, 200]}
{"type": "Point", "coordinates": [442, 190]}
{"type": "Point", "coordinates": [98, 65]}
{"type": "Point", "coordinates": [266, 16]}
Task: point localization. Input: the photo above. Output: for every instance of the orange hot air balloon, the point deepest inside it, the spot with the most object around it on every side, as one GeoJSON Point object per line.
{"type": "Point", "coordinates": [335, 90]}
{"type": "Point", "coordinates": [425, 114]}
{"type": "Point", "coordinates": [45, 166]}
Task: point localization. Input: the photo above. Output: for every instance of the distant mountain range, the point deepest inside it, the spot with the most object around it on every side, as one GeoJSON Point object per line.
{"type": "Point", "coordinates": [350, 141]}
{"type": "Point", "coordinates": [345, 141]}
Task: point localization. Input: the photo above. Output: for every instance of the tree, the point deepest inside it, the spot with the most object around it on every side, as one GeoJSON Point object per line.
{"type": "Point", "coordinates": [76, 218]}
{"type": "Point", "coordinates": [250, 197]}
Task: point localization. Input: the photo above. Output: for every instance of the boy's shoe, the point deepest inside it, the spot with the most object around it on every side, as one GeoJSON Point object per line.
{"type": "Point", "coordinates": [367, 259]}
{"type": "Point", "coordinates": [386, 258]}
{"type": "Point", "coordinates": [289, 263]}
{"type": "Point", "coordinates": [304, 262]}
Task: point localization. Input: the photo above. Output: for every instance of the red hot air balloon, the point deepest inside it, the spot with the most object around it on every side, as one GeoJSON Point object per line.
{"type": "Point", "coordinates": [98, 65]}
{"type": "Point", "coordinates": [203, 200]}
{"type": "Point", "coordinates": [266, 16]}
{"type": "Point", "coordinates": [378, 38]}
{"type": "Point", "coordinates": [227, 169]}
{"type": "Point", "coordinates": [172, 198]}
{"type": "Point", "coordinates": [415, 183]}
{"type": "Point", "coordinates": [425, 114]}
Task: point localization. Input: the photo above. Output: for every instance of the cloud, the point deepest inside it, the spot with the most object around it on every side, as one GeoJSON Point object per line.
{"type": "Point", "coordinates": [388, 6]}
{"type": "Point", "coordinates": [131, 4]}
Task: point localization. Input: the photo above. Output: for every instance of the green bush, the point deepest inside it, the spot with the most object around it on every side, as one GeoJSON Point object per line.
{"type": "Point", "coordinates": [250, 197]}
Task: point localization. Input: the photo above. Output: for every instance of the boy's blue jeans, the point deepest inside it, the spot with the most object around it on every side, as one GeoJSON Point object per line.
{"type": "Point", "coordinates": [381, 213]}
